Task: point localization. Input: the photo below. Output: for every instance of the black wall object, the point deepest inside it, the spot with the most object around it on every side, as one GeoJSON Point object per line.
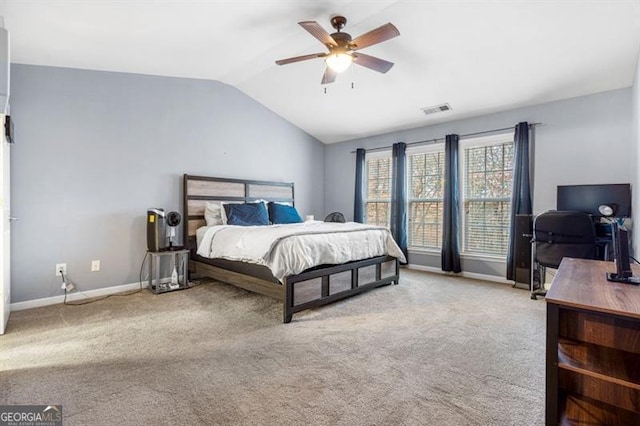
{"type": "Point", "coordinates": [8, 128]}
{"type": "Point", "coordinates": [522, 259]}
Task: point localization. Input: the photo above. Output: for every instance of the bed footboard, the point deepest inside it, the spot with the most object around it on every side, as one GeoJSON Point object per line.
{"type": "Point", "coordinates": [337, 282]}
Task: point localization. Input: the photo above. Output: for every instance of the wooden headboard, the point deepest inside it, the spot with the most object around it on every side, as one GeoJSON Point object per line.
{"type": "Point", "coordinates": [200, 189]}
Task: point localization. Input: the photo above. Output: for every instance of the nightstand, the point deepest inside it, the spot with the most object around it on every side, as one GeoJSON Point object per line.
{"type": "Point", "coordinates": [177, 258]}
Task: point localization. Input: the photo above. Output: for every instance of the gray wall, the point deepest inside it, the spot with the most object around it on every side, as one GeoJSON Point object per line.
{"type": "Point", "coordinates": [582, 140]}
{"type": "Point", "coordinates": [95, 149]}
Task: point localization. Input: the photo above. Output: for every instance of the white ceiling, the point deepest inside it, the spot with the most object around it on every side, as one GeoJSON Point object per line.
{"type": "Point", "coordinates": [478, 56]}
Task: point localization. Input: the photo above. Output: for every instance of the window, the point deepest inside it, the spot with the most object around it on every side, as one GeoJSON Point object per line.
{"type": "Point", "coordinates": [378, 189]}
{"type": "Point", "coordinates": [487, 166]}
{"type": "Point", "coordinates": [425, 198]}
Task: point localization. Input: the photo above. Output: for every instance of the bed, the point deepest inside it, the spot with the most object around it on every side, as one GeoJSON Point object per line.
{"type": "Point", "coordinates": [310, 288]}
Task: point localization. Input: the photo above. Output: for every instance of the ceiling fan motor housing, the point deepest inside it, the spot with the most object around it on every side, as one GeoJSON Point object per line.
{"type": "Point", "coordinates": [343, 40]}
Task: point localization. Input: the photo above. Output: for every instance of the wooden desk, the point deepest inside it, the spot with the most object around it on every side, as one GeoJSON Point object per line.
{"type": "Point", "coordinates": [593, 347]}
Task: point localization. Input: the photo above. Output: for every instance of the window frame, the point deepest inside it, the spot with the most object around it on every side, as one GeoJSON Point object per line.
{"type": "Point", "coordinates": [476, 142]}
{"type": "Point", "coordinates": [376, 156]}
{"type": "Point", "coordinates": [417, 150]}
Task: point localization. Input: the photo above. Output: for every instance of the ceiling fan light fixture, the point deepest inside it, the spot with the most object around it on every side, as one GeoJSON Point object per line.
{"type": "Point", "coordinates": [339, 62]}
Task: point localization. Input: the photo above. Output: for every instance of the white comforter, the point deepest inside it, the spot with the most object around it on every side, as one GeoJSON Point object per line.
{"type": "Point", "coordinates": [290, 249]}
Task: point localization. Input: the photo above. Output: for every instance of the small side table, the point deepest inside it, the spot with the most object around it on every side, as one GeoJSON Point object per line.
{"type": "Point", "coordinates": [179, 259]}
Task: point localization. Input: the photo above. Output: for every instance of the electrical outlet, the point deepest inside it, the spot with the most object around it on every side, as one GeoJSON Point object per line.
{"type": "Point", "coordinates": [61, 267]}
{"type": "Point", "coordinates": [95, 266]}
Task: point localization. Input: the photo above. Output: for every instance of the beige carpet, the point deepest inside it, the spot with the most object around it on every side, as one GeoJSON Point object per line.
{"type": "Point", "coordinates": [433, 350]}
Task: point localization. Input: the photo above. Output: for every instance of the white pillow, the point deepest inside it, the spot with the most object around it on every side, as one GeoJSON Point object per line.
{"type": "Point", "coordinates": [213, 214]}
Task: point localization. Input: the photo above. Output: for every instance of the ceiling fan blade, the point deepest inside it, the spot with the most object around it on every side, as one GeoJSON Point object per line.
{"type": "Point", "coordinates": [376, 36]}
{"type": "Point", "coordinates": [372, 62]}
{"type": "Point", "coordinates": [300, 58]}
{"type": "Point", "coordinates": [329, 76]}
{"type": "Point", "coordinates": [318, 32]}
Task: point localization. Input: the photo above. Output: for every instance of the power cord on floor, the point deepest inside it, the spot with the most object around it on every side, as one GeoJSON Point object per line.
{"type": "Point", "coordinates": [634, 259]}
{"type": "Point", "coordinates": [144, 259]}
{"type": "Point", "coordinates": [86, 302]}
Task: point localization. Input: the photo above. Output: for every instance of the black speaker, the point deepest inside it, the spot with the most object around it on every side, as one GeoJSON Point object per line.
{"type": "Point", "coordinates": [524, 234]}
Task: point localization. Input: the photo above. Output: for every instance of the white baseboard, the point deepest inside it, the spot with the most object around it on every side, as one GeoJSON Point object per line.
{"type": "Point", "coordinates": [471, 275]}
{"type": "Point", "coordinates": [79, 295]}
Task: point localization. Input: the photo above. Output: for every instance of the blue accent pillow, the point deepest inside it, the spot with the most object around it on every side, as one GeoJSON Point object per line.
{"type": "Point", "coordinates": [281, 213]}
{"type": "Point", "coordinates": [247, 214]}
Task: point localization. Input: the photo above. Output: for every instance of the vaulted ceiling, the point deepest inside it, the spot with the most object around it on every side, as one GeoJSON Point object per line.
{"type": "Point", "coordinates": [477, 56]}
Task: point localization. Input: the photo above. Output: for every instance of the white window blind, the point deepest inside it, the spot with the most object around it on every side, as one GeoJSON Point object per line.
{"type": "Point", "coordinates": [378, 189]}
{"type": "Point", "coordinates": [425, 198]}
{"type": "Point", "coordinates": [487, 173]}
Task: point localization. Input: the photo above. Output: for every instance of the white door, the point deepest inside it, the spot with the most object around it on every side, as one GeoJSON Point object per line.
{"type": "Point", "coordinates": [5, 229]}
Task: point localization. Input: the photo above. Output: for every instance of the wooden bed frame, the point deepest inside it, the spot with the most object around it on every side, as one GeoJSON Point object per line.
{"type": "Point", "coordinates": [309, 289]}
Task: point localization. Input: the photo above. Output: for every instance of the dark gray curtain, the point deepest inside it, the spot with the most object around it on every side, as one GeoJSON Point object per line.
{"type": "Point", "coordinates": [358, 208]}
{"type": "Point", "coordinates": [521, 196]}
{"type": "Point", "coordinates": [399, 196]}
{"type": "Point", "coordinates": [450, 229]}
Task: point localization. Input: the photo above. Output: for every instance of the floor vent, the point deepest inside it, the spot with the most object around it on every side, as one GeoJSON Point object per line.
{"type": "Point", "coordinates": [435, 109]}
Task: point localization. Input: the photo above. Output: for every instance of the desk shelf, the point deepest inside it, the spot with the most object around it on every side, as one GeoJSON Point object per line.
{"type": "Point", "coordinates": [580, 410]}
{"type": "Point", "coordinates": [613, 365]}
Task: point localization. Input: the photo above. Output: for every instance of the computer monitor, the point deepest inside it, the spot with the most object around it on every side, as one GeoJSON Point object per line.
{"type": "Point", "coordinates": [623, 272]}
{"type": "Point", "coordinates": [588, 198]}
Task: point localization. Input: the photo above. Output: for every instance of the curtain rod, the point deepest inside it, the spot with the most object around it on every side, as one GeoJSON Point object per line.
{"type": "Point", "coordinates": [427, 141]}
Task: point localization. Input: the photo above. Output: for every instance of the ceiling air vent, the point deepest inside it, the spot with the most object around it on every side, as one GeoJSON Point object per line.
{"type": "Point", "coordinates": [435, 109]}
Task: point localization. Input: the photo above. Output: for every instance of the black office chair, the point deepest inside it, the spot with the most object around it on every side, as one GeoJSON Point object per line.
{"type": "Point", "coordinates": [559, 234]}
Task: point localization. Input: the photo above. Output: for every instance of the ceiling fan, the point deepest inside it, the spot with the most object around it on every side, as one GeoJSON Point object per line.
{"type": "Point", "coordinates": [343, 50]}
